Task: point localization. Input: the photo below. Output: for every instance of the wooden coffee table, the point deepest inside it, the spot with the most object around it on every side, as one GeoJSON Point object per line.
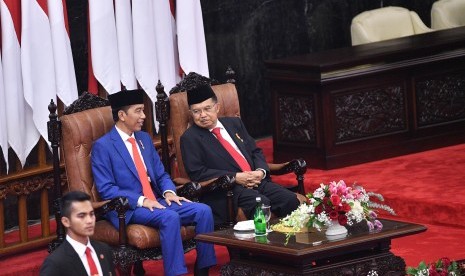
{"type": "Point", "coordinates": [313, 253]}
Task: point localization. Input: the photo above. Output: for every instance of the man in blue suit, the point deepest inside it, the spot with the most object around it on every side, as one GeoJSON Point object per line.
{"type": "Point", "coordinates": [125, 163]}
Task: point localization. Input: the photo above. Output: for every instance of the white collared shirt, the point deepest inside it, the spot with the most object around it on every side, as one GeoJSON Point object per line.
{"type": "Point", "coordinates": [128, 145]}
{"type": "Point", "coordinates": [224, 133]}
{"type": "Point", "coordinates": [226, 137]}
{"type": "Point", "coordinates": [81, 251]}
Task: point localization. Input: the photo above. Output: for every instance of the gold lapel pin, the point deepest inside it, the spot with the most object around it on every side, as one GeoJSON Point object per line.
{"type": "Point", "coordinates": [141, 144]}
{"type": "Point", "coordinates": [238, 137]}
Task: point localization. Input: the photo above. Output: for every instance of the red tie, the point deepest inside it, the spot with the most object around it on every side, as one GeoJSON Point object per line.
{"type": "Point", "coordinates": [90, 261]}
{"type": "Point", "coordinates": [146, 188]}
{"type": "Point", "coordinates": [240, 160]}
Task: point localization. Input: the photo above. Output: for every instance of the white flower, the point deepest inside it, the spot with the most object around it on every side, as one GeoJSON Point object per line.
{"type": "Point", "coordinates": [354, 216]}
{"type": "Point", "coordinates": [356, 207]}
{"type": "Point", "coordinates": [319, 193]}
{"type": "Point", "coordinates": [423, 272]}
{"type": "Point", "coordinates": [298, 218]}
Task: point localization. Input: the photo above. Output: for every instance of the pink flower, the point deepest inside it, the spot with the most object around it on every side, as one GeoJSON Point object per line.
{"type": "Point", "coordinates": [349, 195]}
{"type": "Point", "coordinates": [332, 187]}
{"type": "Point", "coordinates": [357, 194]}
{"type": "Point", "coordinates": [341, 187]}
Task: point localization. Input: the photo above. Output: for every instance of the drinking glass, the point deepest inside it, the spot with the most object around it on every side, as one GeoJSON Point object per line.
{"type": "Point", "coordinates": [267, 212]}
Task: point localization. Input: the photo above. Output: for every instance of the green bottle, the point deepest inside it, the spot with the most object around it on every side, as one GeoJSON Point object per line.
{"type": "Point", "coordinates": [259, 218]}
{"type": "Point", "coordinates": [261, 239]}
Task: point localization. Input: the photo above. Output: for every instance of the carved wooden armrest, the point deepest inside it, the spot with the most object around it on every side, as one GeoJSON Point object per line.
{"type": "Point", "coordinates": [192, 190]}
{"type": "Point", "coordinates": [119, 204]}
{"type": "Point", "coordinates": [225, 182]}
{"type": "Point", "coordinates": [187, 188]}
{"type": "Point", "coordinates": [297, 166]}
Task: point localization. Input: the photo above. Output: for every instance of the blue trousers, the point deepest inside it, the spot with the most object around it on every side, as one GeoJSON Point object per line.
{"type": "Point", "coordinates": [169, 222]}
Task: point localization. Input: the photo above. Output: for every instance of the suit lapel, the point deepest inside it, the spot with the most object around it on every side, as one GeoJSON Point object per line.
{"type": "Point", "coordinates": [214, 146]}
{"type": "Point", "coordinates": [101, 258]}
{"type": "Point", "coordinates": [73, 259]}
{"type": "Point", "coordinates": [123, 151]}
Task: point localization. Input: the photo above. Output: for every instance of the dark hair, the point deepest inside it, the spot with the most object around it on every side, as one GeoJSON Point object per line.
{"type": "Point", "coordinates": [69, 198]}
{"type": "Point", "coordinates": [114, 112]}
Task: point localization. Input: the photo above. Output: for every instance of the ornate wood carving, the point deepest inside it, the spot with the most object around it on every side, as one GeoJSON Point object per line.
{"type": "Point", "coordinates": [441, 99]}
{"type": "Point", "coordinates": [388, 264]}
{"type": "Point", "coordinates": [162, 113]}
{"type": "Point", "coordinates": [84, 102]}
{"type": "Point", "coordinates": [124, 258]}
{"type": "Point", "coordinates": [28, 185]}
{"type": "Point", "coordinates": [297, 119]}
{"type": "Point", "coordinates": [191, 81]}
{"type": "Point", "coordinates": [369, 112]}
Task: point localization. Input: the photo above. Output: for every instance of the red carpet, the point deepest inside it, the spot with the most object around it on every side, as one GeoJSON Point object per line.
{"type": "Point", "coordinates": [424, 187]}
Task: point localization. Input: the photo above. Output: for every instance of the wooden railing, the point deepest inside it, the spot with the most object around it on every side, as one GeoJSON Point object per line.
{"type": "Point", "coordinates": [27, 185]}
{"type": "Point", "coordinates": [35, 179]}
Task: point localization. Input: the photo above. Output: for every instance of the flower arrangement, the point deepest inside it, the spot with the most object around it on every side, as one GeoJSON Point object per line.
{"type": "Point", "coordinates": [442, 267]}
{"type": "Point", "coordinates": [337, 201]}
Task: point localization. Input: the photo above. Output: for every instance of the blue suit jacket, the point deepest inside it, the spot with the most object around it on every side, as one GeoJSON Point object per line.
{"type": "Point", "coordinates": [115, 173]}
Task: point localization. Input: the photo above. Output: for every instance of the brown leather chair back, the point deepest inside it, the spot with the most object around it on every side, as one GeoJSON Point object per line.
{"type": "Point", "coordinates": [180, 118]}
{"type": "Point", "coordinates": [79, 131]}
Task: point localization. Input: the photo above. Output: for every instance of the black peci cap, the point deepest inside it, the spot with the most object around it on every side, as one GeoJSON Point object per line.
{"type": "Point", "coordinates": [199, 94]}
{"type": "Point", "coordinates": [126, 97]}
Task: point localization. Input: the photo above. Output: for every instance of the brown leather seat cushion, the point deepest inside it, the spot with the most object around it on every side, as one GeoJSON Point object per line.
{"type": "Point", "coordinates": [139, 236]}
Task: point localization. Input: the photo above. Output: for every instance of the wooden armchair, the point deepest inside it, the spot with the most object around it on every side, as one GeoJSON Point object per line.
{"type": "Point", "coordinates": [131, 243]}
{"type": "Point", "coordinates": [179, 120]}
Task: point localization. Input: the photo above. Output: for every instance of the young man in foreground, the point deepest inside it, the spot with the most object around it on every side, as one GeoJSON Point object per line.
{"type": "Point", "coordinates": [78, 255]}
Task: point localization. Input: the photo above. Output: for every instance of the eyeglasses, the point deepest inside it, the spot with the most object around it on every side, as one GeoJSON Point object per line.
{"type": "Point", "coordinates": [207, 109]}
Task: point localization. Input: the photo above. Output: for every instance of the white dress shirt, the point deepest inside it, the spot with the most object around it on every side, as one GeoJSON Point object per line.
{"type": "Point", "coordinates": [81, 251]}
{"type": "Point", "coordinates": [128, 145]}
{"type": "Point", "coordinates": [224, 133]}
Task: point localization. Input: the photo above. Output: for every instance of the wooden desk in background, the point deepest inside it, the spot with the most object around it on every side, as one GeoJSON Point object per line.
{"type": "Point", "coordinates": [357, 104]}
